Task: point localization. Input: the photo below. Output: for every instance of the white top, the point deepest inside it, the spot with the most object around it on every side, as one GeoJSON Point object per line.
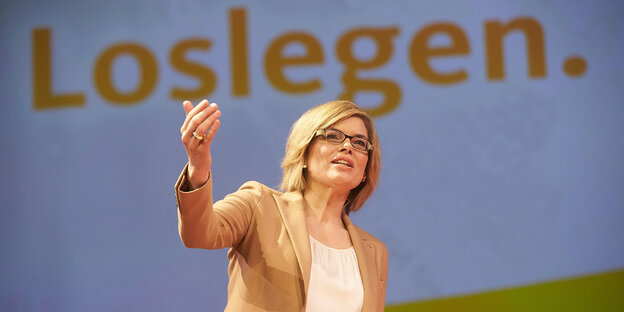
{"type": "Point", "coordinates": [335, 281]}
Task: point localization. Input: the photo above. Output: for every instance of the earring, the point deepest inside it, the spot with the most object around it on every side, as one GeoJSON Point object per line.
{"type": "Point", "coordinates": [305, 166]}
{"type": "Point", "coordinates": [364, 179]}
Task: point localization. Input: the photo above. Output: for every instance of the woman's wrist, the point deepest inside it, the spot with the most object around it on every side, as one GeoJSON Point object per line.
{"type": "Point", "coordinates": [196, 180]}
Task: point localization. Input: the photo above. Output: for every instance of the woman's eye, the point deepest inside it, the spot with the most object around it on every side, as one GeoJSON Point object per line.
{"type": "Point", "coordinates": [333, 136]}
{"type": "Point", "coordinates": [359, 143]}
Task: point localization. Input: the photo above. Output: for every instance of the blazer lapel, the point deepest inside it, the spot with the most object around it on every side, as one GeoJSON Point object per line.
{"type": "Point", "coordinates": [291, 208]}
{"type": "Point", "coordinates": [364, 251]}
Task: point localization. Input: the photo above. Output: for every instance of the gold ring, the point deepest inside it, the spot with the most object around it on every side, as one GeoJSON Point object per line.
{"type": "Point", "coordinates": [197, 136]}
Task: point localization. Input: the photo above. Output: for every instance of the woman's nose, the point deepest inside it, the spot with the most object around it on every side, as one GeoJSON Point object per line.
{"type": "Point", "coordinates": [346, 145]}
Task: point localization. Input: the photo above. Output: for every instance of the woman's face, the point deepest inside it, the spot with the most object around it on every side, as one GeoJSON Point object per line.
{"type": "Point", "coordinates": [339, 166]}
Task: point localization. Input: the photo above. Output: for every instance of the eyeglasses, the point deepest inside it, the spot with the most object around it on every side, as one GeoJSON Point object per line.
{"type": "Point", "coordinates": [336, 136]}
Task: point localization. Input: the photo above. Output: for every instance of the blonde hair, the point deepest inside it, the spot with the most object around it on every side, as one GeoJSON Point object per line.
{"type": "Point", "coordinates": [303, 131]}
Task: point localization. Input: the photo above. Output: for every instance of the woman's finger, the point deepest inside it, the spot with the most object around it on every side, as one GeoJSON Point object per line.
{"type": "Point", "coordinates": [195, 122]}
{"type": "Point", "coordinates": [213, 130]}
{"type": "Point", "coordinates": [188, 106]}
{"type": "Point", "coordinates": [199, 124]}
{"type": "Point", "coordinates": [192, 113]}
{"type": "Point", "coordinates": [207, 123]}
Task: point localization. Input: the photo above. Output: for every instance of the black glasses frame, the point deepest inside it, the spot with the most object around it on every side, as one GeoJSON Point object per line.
{"type": "Point", "coordinates": [323, 133]}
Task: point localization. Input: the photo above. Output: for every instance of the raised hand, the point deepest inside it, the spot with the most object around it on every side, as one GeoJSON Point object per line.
{"type": "Point", "coordinates": [199, 128]}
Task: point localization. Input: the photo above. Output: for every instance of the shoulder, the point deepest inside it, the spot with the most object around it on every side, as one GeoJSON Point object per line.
{"type": "Point", "coordinates": [258, 188]}
{"type": "Point", "coordinates": [252, 191]}
{"type": "Point", "coordinates": [368, 237]}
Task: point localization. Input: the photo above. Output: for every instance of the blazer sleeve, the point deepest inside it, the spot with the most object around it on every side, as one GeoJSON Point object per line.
{"type": "Point", "coordinates": [202, 224]}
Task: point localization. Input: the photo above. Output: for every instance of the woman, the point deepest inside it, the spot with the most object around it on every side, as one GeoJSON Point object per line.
{"type": "Point", "coordinates": [297, 250]}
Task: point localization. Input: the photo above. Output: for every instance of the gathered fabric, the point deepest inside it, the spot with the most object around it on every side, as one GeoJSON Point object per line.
{"type": "Point", "coordinates": [335, 280]}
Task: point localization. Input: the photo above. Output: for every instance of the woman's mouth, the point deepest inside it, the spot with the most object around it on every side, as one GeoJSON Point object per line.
{"type": "Point", "coordinates": [343, 162]}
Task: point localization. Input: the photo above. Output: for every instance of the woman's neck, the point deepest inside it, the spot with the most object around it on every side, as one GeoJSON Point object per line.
{"type": "Point", "coordinates": [324, 203]}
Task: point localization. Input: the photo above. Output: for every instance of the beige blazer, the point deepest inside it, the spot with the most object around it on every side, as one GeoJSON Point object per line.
{"type": "Point", "coordinates": [269, 252]}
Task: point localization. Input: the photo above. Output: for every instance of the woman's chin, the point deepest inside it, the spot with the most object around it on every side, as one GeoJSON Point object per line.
{"type": "Point", "coordinates": [348, 183]}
